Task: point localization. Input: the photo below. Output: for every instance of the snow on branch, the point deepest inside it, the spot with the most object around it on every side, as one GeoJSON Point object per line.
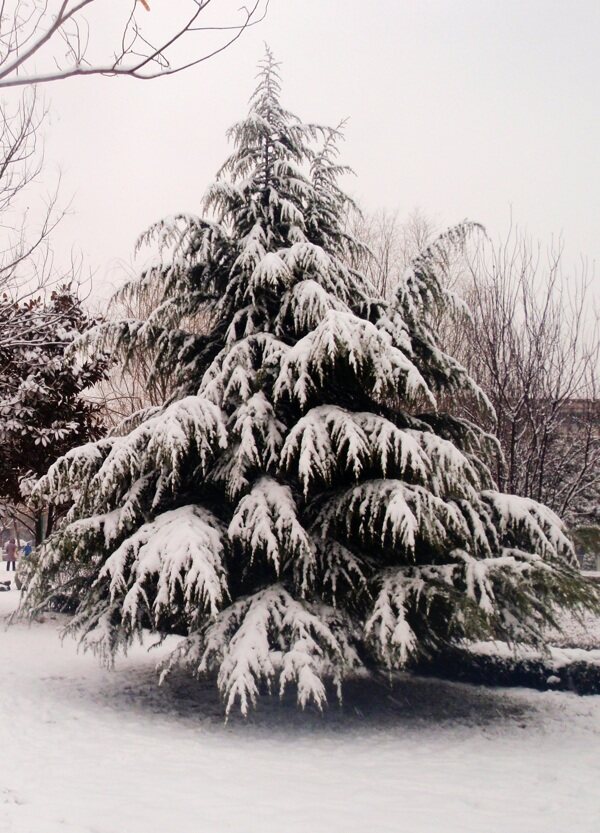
{"type": "Point", "coordinates": [309, 259]}
{"type": "Point", "coordinates": [258, 430]}
{"type": "Point", "coordinates": [254, 249]}
{"type": "Point", "coordinates": [451, 472]}
{"type": "Point", "coordinates": [388, 625]}
{"type": "Point", "coordinates": [270, 274]}
{"type": "Point", "coordinates": [265, 524]}
{"type": "Point", "coordinates": [304, 307]}
{"type": "Point", "coordinates": [404, 605]}
{"type": "Point", "coordinates": [191, 429]}
{"type": "Point", "coordinates": [530, 525]}
{"type": "Point", "coordinates": [65, 477]}
{"type": "Point", "coordinates": [271, 638]}
{"type": "Point", "coordinates": [255, 440]}
{"type": "Point", "coordinates": [344, 575]}
{"type": "Point", "coordinates": [183, 437]}
{"type": "Point", "coordinates": [179, 556]}
{"type": "Point", "coordinates": [391, 513]}
{"type": "Point", "coordinates": [496, 595]}
{"type": "Point", "coordinates": [102, 530]}
{"type": "Point", "coordinates": [344, 343]}
{"type": "Point", "coordinates": [480, 574]}
{"type": "Point", "coordinates": [233, 373]}
{"type": "Point", "coordinates": [422, 289]}
{"type": "Point", "coordinates": [330, 439]}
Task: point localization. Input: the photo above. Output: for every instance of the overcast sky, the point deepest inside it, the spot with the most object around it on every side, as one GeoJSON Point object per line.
{"type": "Point", "coordinates": [462, 108]}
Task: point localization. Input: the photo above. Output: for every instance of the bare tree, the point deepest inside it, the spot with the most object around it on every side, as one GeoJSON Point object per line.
{"type": "Point", "coordinates": [50, 40]}
{"type": "Point", "coordinates": [27, 269]}
{"type": "Point", "coordinates": [533, 345]}
{"type": "Point", "coordinates": [135, 385]}
{"type": "Point", "coordinates": [137, 381]}
{"type": "Point", "coordinates": [392, 243]}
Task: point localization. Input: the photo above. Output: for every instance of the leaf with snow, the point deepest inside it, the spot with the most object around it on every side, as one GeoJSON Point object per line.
{"type": "Point", "coordinates": [186, 434]}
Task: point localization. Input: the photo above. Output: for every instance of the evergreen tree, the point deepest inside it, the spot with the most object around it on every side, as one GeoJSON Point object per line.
{"type": "Point", "coordinates": [42, 411]}
{"type": "Point", "coordinates": [299, 509]}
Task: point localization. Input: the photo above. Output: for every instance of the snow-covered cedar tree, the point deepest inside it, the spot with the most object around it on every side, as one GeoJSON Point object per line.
{"type": "Point", "coordinates": [42, 411]}
{"type": "Point", "coordinates": [299, 509]}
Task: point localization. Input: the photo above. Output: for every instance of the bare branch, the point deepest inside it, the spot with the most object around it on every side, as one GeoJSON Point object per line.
{"type": "Point", "coordinates": [534, 346]}
{"type": "Point", "coordinates": [31, 33]}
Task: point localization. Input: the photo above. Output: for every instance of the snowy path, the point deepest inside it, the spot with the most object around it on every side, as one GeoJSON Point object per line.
{"type": "Point", "coordinates": [83, 750]}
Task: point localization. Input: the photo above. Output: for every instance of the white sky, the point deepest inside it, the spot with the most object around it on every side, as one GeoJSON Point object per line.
{"type": "Point", "coordinates": [462, 108]}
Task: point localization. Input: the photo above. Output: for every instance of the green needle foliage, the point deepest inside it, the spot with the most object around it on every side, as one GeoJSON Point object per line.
{"type": "Point", "coordinates": [299, 509]}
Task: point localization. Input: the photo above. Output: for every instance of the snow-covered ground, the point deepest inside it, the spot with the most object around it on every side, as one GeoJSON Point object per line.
{"type": "Point", "coordinates": [85, 750]}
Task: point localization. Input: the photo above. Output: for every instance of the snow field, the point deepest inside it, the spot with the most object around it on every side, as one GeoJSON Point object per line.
{"type": "Point", "coordinates": [86, 750]}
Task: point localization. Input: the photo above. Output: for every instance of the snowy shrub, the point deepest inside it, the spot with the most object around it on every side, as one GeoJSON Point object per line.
{"type": "Point", "coordinates": [496, 664]}
{"type": "Point", "coordinates": [300, 509]}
